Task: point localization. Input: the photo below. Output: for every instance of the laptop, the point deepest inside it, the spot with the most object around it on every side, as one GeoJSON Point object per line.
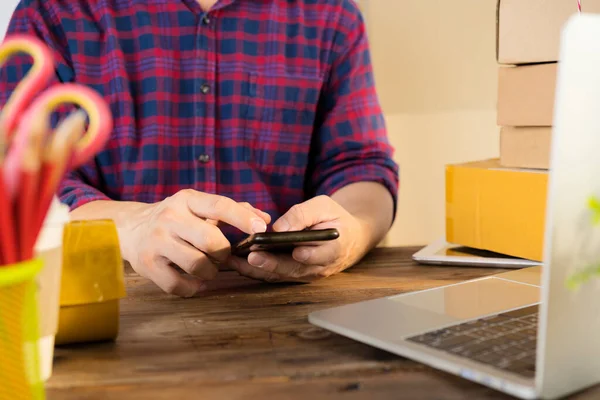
{"type": "Point", "coordinates": [524, 332]}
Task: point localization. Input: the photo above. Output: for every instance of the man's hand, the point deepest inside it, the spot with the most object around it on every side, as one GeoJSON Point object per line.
{"type": "Point", "coordinates": [182, 231]}
{"type": "Point", "coordinates": [310, 262]}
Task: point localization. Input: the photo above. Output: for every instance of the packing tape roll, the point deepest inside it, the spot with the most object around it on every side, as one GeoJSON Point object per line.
{"type": "Point", "coordinates": [92, 283]}
{"type": "Point", "coordinates": [88, 323]}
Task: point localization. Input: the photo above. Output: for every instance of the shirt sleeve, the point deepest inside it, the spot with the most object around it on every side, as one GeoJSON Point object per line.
{"type": "Point", "coordinates": [351, 143]}
{"type": "Point", "coordinates": [35, 17]}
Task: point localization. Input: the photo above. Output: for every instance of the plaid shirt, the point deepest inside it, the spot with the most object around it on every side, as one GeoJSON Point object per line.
{"type": "Point", "coordinates": [269, 102]}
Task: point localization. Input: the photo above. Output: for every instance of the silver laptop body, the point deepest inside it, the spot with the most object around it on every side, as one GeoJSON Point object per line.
{"type": "Point", "coordinates": [523, 332]}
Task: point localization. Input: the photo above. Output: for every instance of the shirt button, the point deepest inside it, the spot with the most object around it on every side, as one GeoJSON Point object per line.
{"type": "Point", "coordinates": [205, 19]}
{"type": "Point", "coordinates": [204, 158]}
{"type": "Point", "coordinates": [205, 88]}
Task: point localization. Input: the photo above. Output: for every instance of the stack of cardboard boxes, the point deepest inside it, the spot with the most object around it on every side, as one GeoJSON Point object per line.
{"type": "Point", "coordinates": [499, 205]}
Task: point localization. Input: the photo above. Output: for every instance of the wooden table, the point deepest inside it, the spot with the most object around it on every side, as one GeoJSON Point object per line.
{"type": "Point", "coordinates": [247, 340]}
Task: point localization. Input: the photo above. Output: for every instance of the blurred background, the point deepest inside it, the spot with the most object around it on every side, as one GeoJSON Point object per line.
{"type": "Point", "coordinates": [6, 9]}
{"type": "Point", "coordinates": [436, 73]}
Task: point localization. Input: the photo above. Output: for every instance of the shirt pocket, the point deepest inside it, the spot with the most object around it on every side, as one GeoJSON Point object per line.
{"type": "Point", "coordinates": [281, 115]}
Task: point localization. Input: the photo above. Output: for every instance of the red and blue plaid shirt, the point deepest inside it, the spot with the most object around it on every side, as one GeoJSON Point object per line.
{"type": "Point", "coordinates": [269, 102]}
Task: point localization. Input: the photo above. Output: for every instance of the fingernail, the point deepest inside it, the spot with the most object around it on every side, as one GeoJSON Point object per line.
{"type": "Point", "coordinates": [256, 260]}
{"type": "Point", "coordinates": [302, 255]}
{"type": "Point", "coordinates": [197, 287]}
{"type": "Point", "coordinates": [200, 286]}
{"type": "Point", "coordinates": [283, 225]}
{"type": "Point", "coordinates": [258, 225]}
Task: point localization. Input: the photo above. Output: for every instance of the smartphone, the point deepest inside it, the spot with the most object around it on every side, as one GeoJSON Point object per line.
{"type": "Point", "coordinates": [282, 242]}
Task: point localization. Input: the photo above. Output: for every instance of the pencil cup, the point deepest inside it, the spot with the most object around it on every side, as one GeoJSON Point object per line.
{"type": "Point", "coordinates": [19, 332]}
{"type": "Point", "coordinates": [49, 248]}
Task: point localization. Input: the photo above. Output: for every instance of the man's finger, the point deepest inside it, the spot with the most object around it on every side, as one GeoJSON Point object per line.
{"type": "Point", "coordinates": [286, 267]}
{"type": "Point", "coordinates": [224, 209]}
{"type": "Point", "coordinates": [245, 269]}
{"type": "Point", "coordinates": [265, 216]}
{"type": "Point", "coordinates": [190, 259]}
{"type": "Point", "coordinates": [204, 236]}
{"type": "Point", "coordinates": [306, 215]}
{"type": "Point", "coordinates": [172, 282]}
{"type": "Point", "coordinates": [325, 254]}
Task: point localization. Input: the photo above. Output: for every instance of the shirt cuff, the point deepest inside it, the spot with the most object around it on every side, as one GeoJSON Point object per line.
{"type": "Point", "coordinates": [385, 174]}
{"type": "Point", "coordinates": [74, 194]}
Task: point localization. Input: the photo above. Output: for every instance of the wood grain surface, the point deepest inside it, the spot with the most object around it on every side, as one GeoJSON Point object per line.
{"type": "Point", "coordinates": [247, 339]}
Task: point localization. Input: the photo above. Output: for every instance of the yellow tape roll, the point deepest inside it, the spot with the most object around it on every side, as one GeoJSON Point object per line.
{"type": "Point", "coordinates": [92, 283]}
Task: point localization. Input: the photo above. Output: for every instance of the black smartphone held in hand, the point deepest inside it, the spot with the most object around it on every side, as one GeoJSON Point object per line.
{"type": "Point", "coordinates": [282, 242]}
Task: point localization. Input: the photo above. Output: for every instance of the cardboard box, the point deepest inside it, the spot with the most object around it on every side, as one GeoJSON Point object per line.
{"type": "Point", "coordinates": [528, 31]}
{"type": "Point", "coordinates": [525, 147]}
{"type": "Point", "coordinates": [496, 209]}
{"type": "Point", "coordinates": [526, 95]}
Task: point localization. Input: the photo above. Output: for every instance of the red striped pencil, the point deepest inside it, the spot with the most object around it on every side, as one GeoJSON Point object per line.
{"type": "Point", "coordinates": [8, 247]}
{"type": "Point", "coordinates": [8, 251]}
{"type": "Point", "coordinates": [28, 190]}
{"type": "Point", "coordinates": [56, 160]}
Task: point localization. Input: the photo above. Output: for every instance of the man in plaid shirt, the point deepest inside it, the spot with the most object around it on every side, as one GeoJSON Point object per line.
{"type": "Point", "coordinates": [229, 115]}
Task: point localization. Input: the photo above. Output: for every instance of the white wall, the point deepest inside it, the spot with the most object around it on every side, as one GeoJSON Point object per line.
{"type": "Point", "coordinates": [436, 74]}
{"type": "Point", "coordinates": [6, 10]}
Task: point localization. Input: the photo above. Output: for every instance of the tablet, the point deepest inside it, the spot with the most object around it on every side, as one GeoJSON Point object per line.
{"type": "Point", "coordinates": [444, 253]}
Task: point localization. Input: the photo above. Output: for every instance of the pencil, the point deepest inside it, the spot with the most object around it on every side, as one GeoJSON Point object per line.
{"type": "Point", "coordinates": [8, 250]}
{"type": "Point", "coordinates": [8, 253]}
{"type": "Point", "coordinates": [56, 160]}
{"type": "Point", "coordinates": [28, 187]}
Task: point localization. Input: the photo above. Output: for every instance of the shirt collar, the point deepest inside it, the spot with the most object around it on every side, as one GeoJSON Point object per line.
{"type": "Point", "coordinates": [194, 6]}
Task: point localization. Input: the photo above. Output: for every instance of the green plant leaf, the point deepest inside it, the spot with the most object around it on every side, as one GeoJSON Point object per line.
{"type": "Point", "coordinates": [582, 276]}
{"type": "Point", "coordinates": [594, 206]}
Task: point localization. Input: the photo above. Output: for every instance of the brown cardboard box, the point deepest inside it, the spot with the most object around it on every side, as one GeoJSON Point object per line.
{"type": "Point", "coordinates": [525, 147]}
{"type": "Point", "coordinates": [526, 95]}
{"type": "Point", "coordinates": [528, 31]}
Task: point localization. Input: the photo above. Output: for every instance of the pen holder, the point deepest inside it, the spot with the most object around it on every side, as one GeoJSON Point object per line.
{"type": "Point", "coordinates": [20, 376]}
{"type": "Point", "coordinates": [92, 283]}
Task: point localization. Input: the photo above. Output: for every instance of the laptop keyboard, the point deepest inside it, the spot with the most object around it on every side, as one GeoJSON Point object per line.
{"type": "Point", "coordinates": [506, 341]}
